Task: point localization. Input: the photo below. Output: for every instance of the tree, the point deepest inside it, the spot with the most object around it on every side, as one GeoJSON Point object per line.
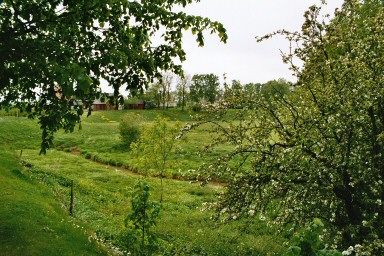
{"type": "Point", "coordinates": [280, 87]}
{"type": "Point", "coordinates": [252, 89]}
{"type": "Point", "coordinates": [155, 148]}
{"type": "Point", "coordinates": [54, 52]}
{"type": "Point", "coordinates": [182, 90]}
{"type": "Point", "coordinates": [236, 87]}
{"type": "Point", "coordinates": [165, 89]}
{"type": "Point", "coordinates": [160, 91]}
{"type": "Point", "coordinates": [141, 220]}
{"type": "Point", "coordinates": [318, 151]}
{"type": "Point", "coordinates": [204, 87]}
{"type": "Point", "coordinates": [153, 94]}
{"type": "Point", "coordinates": [234, 94]}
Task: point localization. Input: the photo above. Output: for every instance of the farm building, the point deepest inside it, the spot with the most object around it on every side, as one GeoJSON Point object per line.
{"type": "Point", "coordinates": [102, 103]}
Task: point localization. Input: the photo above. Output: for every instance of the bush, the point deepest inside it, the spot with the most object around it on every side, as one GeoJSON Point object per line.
{"type": "Point", "coordinates": [149, 105]}
{"type": "Point", "coordinates": [196, 107]}
{"type": "Point", "coordinates": [130, 129]}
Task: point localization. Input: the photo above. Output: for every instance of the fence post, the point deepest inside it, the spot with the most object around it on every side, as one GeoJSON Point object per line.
{"type": "Point", "coordinates": [72, 201]}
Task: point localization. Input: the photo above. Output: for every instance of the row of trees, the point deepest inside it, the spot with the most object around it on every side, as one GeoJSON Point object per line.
{"type": "Point", "coordinates": [205, 88]}
{"type": "Point", "coordinates": [172, 89]}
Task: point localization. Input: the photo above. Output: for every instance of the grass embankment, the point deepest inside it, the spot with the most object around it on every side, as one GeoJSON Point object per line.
{"type": "Point", "coordinates": [32, 222]}
{"type": "Point", "coordinates": [102, 200]}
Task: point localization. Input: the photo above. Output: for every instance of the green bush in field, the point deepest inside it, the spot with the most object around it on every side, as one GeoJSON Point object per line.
{"type": "Point", "coordinates": [196, 107]}
{"type": "Point", "coordinates": [149, 105]}
{"type": "Point", "coordinates": [130, 129]}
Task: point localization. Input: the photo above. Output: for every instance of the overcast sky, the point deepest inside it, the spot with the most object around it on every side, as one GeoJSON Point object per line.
{"type": "Point", "coordinates": [242, 58]}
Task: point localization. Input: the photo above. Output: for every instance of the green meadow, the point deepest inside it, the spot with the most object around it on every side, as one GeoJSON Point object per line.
{"type": "Point", "coordinates": [99, 140]}
{"type": "Point", "coordinates": [35, 189]}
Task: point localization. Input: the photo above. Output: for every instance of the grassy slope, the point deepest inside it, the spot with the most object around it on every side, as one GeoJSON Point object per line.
{"type": "Point", "coordinates": [31, 221]}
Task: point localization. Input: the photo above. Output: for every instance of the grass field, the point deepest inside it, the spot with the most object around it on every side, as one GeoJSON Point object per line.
{"type": "Point", "coordinates": [99, 140]}
{"type": "Point", "coordinates": [41, 191]}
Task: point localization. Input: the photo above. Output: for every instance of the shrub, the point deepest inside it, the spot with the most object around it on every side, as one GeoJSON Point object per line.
{"type": "Point", "coordinates": [149, 105]}
{"type": "Point", "coordinates": [196, 107]}
{"type": "Point", "coordinates": [130, 129]}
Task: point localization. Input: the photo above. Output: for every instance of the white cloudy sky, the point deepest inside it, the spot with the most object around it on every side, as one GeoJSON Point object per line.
{"type": "Point", "coordinates": [242, 58]}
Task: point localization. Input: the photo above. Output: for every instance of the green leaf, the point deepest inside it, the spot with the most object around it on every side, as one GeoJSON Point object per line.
{"type": "Point", "coordinates": [293, 251]}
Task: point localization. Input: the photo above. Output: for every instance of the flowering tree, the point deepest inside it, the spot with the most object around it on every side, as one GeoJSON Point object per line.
{"type": "Point", "coordinates": [318, 151]}
{"type": "Point", "coordinates": [53, 53]}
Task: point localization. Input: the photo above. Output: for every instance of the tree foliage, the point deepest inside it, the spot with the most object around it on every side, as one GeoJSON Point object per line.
{"type": "Point", "coordinates": [204, 87]}
{"type": "Point", "coordinates": [55, 52]}
{"type": "Point", "coordinates": [182, 90]}
{"type": "Point", "coordinates": [156, 146]}
{"type": "Point", "coordinates": [319, 151]}
{"type": "Point", "coordinates": [139, 223]}
{"type": "Point", "coordinates": [279, 87]}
